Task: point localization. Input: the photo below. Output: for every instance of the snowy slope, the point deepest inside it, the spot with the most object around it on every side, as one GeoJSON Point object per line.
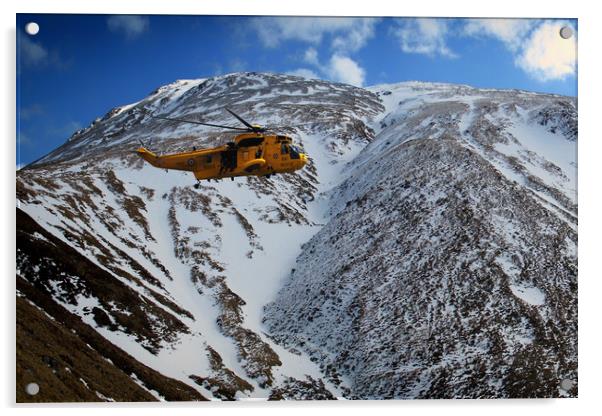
{"type": "Point", "coordinates": [338, 251]}
{"type": "Point", "coordinates": [448, 267]}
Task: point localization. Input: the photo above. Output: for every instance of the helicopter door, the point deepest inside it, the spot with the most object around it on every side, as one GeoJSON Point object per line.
{"type": "Point", "coordinates": [228, 159]}
{"type": "Point", "coordinates": [284, 152]}
{"type": "Point", "coordinates": [206, 162]}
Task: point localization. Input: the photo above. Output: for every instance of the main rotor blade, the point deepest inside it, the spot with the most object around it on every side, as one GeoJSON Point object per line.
{"type": "Point", "coordinates": [292, 126]}
{"type": "Point", "coordinates": [241, 119]}
{"type": "Point", "coordinates": [276, 129]}
{"type": "Point", "coordinates": [181, 120]}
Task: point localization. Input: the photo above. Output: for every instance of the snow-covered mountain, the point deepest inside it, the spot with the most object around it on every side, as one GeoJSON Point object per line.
{"type": "Point", "coordinates": [427, 250]}
{"type": "Point", "coordinates": [448, 266]}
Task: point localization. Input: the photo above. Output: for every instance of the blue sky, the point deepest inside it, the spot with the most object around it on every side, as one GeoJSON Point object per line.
{"type": "Point", "coordinates": [78, 67]}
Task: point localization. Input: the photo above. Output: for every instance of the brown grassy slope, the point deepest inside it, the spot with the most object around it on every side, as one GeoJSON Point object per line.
{"type": "Point", "coordinates": [72, 325]}
{"type": "Point", "coordinates": [45, 346]}
{"type": "Point", "coordinates": [64, 367]}
{"type": "Point", "coordinates": [56, 268]}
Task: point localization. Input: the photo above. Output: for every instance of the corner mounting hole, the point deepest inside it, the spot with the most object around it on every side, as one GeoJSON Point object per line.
{"type": "Point", "coordinates": [32, 389]}
{"type": "Point", "coordinates": [566, 32]}
{"type": "Point", "coordinates": [566, 384]}
{"type": "Point", "coordinates": [32, 28]}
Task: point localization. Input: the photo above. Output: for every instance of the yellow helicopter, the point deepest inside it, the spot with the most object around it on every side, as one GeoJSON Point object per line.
{"type": "Point", "coordinates": [250, 153]}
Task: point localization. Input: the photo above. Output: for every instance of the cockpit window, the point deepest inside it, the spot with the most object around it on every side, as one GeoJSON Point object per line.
{"type": "Point", "coordinates": [294, 152]}
{"type": "Point", "coordinates": [284, 149]}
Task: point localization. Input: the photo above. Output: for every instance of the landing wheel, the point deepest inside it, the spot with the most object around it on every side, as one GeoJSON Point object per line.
{"type": "Point", "coordinates": [197, 185]}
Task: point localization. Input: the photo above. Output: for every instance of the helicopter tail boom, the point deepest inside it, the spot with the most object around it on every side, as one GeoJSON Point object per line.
{"type": "Point", "coordinates": [149, 156]}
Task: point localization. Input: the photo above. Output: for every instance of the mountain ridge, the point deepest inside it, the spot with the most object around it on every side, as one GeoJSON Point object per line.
{"type": "Point", "coordinates": [178, 84]}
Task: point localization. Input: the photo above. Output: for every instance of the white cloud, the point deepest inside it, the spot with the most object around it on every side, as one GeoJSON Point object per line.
{"type": "Point", "coordinates": [546, 56]}
{"type": "Point", "coordinates": [339, 68]}
{"type": "Point", "coordinates": [510, 31]}
{"type": "Point", "coordinates": [274, 30]}
{"type": "Point", "coordinates": [536, 45]}
{"type": "Point", "coordinates": [304, 73]}
{"type": "Point", "coordinates": [346, 35]}
{"type": "Point", "coordinates": [344, 69]}
{"type": "Point", "coordinates": [352, 32]}
{"type": "Point", "coordinates": [356, 36]}
{"type": "Point", "coordinates": [423, 36]}
{"type": "Point", "coordinates": [311, 56]}
{"type": "Point", "coordinates": [131, 26]}
{"type": "Point", "coordinates": [32, 53]}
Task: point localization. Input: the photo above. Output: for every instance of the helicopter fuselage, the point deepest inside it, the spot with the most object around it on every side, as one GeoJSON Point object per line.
{"type": "Point", "coordinates": [249, 154]}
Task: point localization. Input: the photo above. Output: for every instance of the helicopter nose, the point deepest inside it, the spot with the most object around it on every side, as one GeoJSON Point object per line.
{"type": "Point", "coordinates": [303, 159]}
